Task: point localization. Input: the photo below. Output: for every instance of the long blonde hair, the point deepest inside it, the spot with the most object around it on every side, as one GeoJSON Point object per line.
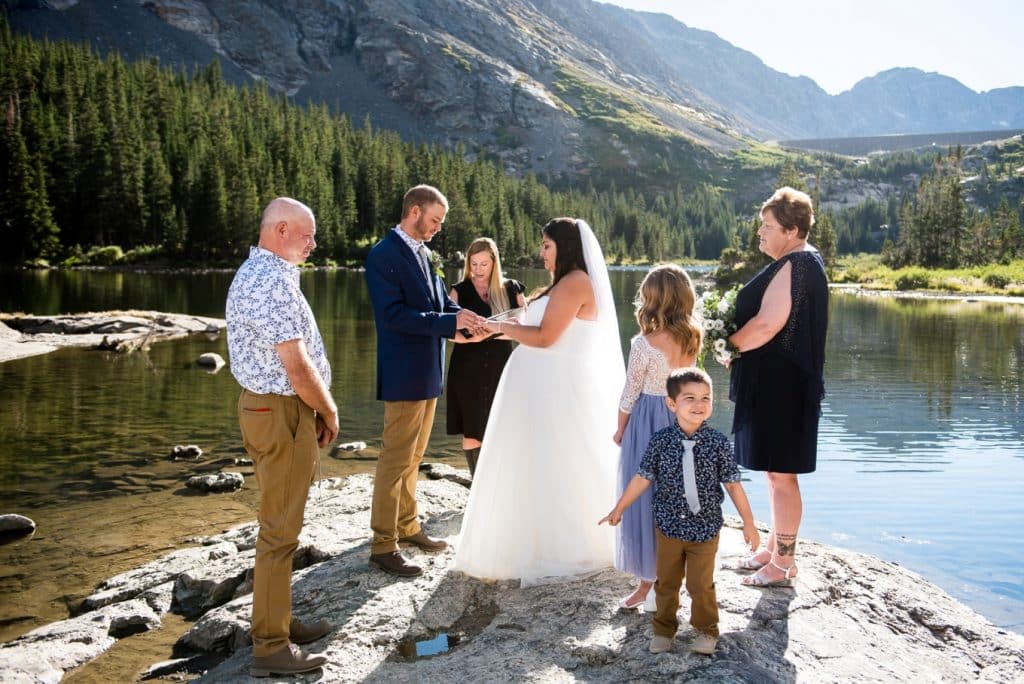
{"type": "Point", "coordinates": [496, 285]}
{"type": "Point", "coordinates": [665, 302]}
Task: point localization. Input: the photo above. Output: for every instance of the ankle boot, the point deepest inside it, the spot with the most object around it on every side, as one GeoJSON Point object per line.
{"type": "Point", "coordinates": [471, 458]}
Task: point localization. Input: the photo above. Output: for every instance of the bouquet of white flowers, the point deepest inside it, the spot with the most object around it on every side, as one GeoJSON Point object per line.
{"type": "Point", "coordinates": [718, 314]}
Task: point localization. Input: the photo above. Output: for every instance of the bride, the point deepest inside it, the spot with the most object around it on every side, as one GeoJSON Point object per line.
{"type": "Point", "coordinates": [547, 467]}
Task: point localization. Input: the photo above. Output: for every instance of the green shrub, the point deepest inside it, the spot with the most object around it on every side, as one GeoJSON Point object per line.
{"type": "Point", "coordinates": [913, 279]}
{"type": "Point", "coordinates": [850, 275]}
{"type": "Point", "coordinates": [142, 253]}
{"type": "Point", "coordinates": [103, 256]}
{"type": "Point", "coordinates": [730, 257]}
{"type": "Point", "coordinates": [997, 280]}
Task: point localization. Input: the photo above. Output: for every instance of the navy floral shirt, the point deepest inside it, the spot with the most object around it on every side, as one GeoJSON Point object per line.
{"type": "Point", "coordinates": [713, 464]}
{"type": "Point", "coordinates": [266, 307]}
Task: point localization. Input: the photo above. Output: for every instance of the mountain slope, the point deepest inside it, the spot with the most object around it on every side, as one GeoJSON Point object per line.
{"type": "Point", "coordinates": [549, 85]}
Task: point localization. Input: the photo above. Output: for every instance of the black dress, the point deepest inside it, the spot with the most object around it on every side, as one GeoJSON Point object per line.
{"type": "Point", "coordinates": [475, 368]}
{"type": "Point", "coordinates": [778, 387]}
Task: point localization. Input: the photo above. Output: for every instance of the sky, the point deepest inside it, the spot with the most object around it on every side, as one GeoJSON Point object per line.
{"type": "Point", "coordinates": [837, 43]}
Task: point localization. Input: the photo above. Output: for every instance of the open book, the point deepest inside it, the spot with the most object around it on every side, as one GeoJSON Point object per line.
{"type": "Point", "coordinates": [505, 315]}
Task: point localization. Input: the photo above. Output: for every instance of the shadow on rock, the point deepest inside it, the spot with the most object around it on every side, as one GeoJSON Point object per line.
{"type": "Point", "coordinates": [765, 639]}
{"type": "Point", "coordinates": [438, 627]}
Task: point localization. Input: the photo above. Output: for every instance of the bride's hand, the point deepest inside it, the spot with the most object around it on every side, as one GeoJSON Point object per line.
{"type": "Point", "coordinates": [500, 326]}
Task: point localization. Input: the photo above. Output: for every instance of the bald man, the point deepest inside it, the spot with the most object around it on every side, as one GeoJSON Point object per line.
{"type": "Point", "coordinates": [285, 412]}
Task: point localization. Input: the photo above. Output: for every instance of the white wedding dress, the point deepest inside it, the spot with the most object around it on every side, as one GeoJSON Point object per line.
{"type": "Point", "coordinates": [547, 468]}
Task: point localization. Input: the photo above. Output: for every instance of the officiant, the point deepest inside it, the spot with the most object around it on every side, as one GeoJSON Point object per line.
{"type": "Point", "coordinates": [477, 362]}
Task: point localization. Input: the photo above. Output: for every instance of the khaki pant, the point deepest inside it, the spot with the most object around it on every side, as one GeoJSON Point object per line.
{"type": "Point", "coordinates": [279, 434]}
{"type": "Point", "coordinates": [407, 426]}
{"type": "Point", "coordinates": [695, 561]}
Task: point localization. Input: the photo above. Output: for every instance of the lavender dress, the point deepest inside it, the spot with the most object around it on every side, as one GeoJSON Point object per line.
{"type": "Point", "coordinates": [643, 398]}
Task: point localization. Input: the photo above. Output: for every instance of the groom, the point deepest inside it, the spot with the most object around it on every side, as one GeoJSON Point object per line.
{"type": "Point", "coordinates": [413, 315]}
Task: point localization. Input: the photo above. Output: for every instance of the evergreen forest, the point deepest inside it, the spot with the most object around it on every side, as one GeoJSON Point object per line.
{"type": "Point", "coordinates": [103, 161]}
{"type": "Point", "coordinates": [105, 158]}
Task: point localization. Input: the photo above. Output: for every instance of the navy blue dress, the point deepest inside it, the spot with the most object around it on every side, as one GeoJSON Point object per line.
{"type": "Point", "coordinates": [778, 388]}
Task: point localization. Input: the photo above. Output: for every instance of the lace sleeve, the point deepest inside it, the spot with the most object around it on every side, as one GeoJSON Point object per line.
{"type": "Point", "coordinates": [634, 375]}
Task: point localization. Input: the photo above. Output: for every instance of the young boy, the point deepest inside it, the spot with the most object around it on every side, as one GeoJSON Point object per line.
{"type": "Point", "coordinates": [687, 461]}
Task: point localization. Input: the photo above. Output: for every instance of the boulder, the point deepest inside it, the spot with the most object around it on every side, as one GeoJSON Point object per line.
{"type": "Point", "coordinates": [219, 482]}
{"type": "Point", "coordinates": [55, 648]}
{"type": "Point", "coordinates": [131, 617]}
{"type": "Point", "coordinates": [186, 452]}
{"type": "Point", "coordinates": [443, 471]}
{"type": "Point", "coordinates": [117, 331]}
{"type": "Point", "coordinates": [14, 526]}
{"type": "Point", "coordinates": [148, 580]}
{"type": "Point", "coordinates": [211, 361]}
{"type": "Point", "coordinates": [204, 587]}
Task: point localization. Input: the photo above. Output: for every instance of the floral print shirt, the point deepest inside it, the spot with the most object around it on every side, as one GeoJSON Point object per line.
{"type": "Point", "coordinates": [266, 307]}
{"type": "Point", "coordinates": [714, 464]}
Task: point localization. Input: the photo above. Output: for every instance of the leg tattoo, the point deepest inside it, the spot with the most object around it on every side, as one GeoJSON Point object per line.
{"type": "Point", "coordinates": [785, 544]}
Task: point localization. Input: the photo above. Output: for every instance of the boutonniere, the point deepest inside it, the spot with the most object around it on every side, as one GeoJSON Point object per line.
{"type": "Point", "coordinates": [437, 264]}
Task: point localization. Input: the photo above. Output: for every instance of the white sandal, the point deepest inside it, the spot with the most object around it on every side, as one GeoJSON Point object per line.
{"type": "Point", "coordinates": [758, 580]}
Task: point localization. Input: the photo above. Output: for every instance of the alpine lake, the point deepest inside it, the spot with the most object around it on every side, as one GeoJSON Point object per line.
{"type": "Point", "coordinates": [920, 461]}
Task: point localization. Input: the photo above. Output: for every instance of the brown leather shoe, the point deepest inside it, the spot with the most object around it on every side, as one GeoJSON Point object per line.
{"type": "Point", "coordinates": [307, 632]}
{"type": "Point", "coordinates": [394, 563]}
{"type": "Point", "coordinates": [426, 543]}
{"type": "Point", "coordinates": [289, 660]}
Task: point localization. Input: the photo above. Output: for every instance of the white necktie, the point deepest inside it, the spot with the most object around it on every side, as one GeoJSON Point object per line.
{"type": "Point", "coordinates": [690, 477]}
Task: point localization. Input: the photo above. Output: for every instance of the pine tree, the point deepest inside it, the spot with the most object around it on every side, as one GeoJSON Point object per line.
{"type": "Point", "coordinates": [824, 229]}
{"type": "Point", "coordinates": [25, 215]}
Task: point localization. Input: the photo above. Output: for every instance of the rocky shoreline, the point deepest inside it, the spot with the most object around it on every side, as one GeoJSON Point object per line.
{"type": "Point", "coordinates": [23, 335]}
{"type": "Point", "coordinates": [852, 617]}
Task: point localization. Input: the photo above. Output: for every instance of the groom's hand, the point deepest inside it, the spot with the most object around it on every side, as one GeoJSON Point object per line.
{"type": "Point", "coordinates": [470, 321]}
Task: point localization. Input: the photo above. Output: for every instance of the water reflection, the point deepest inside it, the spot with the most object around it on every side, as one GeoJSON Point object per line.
{"type": "Point", "coordinates": [921, 458]}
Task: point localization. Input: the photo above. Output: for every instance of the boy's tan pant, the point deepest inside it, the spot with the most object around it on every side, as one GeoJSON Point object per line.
{"type": "Point", "coordinates": [279, 434]}
{"type": "Point", "coordinates": [407, 426]}
{"type": "Point", "coordinates": [695, 561]}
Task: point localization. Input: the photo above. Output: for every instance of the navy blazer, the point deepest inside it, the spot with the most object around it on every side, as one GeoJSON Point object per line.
{"type": "Point", "coordinates": [412, 322]}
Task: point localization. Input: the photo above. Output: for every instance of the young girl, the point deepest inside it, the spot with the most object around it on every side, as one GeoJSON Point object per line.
{"type": "Point", "coordinates": [670, 337]}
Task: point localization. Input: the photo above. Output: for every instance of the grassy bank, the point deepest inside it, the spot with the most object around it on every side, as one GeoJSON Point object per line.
{"type": "Point", "coordinates": [869, 271]}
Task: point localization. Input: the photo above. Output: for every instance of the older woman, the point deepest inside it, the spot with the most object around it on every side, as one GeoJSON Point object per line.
{"type": "Point", "coordinates": [476, 367]}
{"type": "Point", "coordinates": [777, 383]}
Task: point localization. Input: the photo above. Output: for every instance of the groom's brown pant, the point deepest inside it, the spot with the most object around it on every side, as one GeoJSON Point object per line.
{"type": "Point", "coordinates": [407, 426]}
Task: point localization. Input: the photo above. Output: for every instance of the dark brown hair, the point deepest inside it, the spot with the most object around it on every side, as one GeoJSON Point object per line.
{"type": "Point", "coordinates": [565, 233]}
{"type": "Point", "coordinates": [682, 376]}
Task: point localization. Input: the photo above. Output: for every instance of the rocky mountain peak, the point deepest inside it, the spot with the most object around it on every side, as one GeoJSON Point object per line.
{"type": "Point", "coordinates": [538, 84]}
